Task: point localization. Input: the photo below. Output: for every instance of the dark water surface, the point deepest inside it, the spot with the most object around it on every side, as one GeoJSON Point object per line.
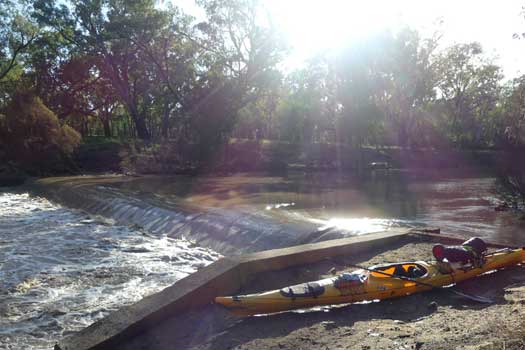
{"type": "Point", "coordinates": [458, 204]}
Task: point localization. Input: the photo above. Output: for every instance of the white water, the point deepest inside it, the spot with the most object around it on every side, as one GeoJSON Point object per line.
{"type": "Point", "coordinates": [61, 270]}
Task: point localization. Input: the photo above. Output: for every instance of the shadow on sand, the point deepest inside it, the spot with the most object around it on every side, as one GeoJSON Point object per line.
{"type": "Point", "coordinates": [212, 327]}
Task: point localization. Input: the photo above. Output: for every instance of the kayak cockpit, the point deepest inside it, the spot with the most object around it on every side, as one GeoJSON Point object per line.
{"type": "Point", "coordinates": [409, 270]}
{"type": "Point", "coordinates": [303, 290]}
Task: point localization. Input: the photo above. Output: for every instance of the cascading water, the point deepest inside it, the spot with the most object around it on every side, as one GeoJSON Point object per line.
{"type": "Point", "coordinates": [61, 270]}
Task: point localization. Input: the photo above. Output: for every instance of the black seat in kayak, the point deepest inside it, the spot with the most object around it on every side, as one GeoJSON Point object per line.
{"type": "Point", "coordinates": [414, 272]}
{"type": "Point", "coordinates": [310, 289]}
{"type": "Point", "coordinates": [399, 270]}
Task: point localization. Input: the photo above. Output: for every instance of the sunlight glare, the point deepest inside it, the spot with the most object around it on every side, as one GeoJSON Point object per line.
{"type": "Point", "coordinates": [354, 225]}
{"type": "Point", "coordinates": [314, 26]}
{"type": "Point", "coordinates": [311, 26]}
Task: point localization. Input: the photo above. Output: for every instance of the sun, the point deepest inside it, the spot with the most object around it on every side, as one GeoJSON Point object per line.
{"type": "Point", "coordinates": [312, 26]}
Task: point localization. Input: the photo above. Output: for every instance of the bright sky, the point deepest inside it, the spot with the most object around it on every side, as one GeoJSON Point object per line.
{"type": "Point", "coordinates": [312, 25]}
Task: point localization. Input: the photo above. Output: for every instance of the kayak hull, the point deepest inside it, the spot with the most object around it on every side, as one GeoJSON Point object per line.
{"type": "Point", "coordinates": [362, 285]}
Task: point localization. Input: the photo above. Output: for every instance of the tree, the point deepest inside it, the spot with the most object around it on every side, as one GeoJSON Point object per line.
{"type": "Point", "coordinates": [16, 34]}
{"type": "Point", "coordinates": [241, 45]}
{"type": "Point", "coordinates": [409, 84]}
{"type": "Point", "coordinates": [239, 54]}
{"type": "Point", "coordinates": [513, 115]}
{"type": "Point", "coordinates": [307, 109]}
{"type": "Point", "coordinates": [359, 72]}
{"type": "Point", "coordinates": [34, 134]}
{"type": "Point", "coordinates": [116, 31]}
{"type": "Point", "coordinates": [469, 88]}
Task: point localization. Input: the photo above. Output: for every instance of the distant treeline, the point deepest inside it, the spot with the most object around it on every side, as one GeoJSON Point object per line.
{"type": "Point", "coordinates": [138, 69]}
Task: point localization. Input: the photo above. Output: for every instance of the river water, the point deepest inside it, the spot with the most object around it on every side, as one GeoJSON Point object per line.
{"type": "Point", "coordinates": [61, 270]}
{"type": "Point", "coordinates": [459, 204]}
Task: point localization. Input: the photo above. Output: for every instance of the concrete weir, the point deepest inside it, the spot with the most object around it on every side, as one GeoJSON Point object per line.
{"type": "Point", "coordinates": [224, 230]}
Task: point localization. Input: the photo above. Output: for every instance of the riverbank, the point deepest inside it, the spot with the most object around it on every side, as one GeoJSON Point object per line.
{"type": "Point", "coordinates": [150, 199]}
{"type": "Point", "coordinates": [432, 320]}
{"type": "Point", "coordinates": [274, 157]}
{"type": "Point", "coordinates": [268, 157]}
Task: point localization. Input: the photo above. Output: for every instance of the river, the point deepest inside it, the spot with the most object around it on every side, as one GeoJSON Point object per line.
{"type": "Point", "coordinates": [459, 204]}
{"type": "Point", "coordinates": [61, 269]}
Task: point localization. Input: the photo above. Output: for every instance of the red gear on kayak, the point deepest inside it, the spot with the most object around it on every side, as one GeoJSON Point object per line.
{"type": "Point", "coordinates": [470, 251]}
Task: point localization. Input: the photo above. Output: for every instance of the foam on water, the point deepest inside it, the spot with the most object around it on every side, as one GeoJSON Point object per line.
{"type": "Point", "coordinates": [60, 270]}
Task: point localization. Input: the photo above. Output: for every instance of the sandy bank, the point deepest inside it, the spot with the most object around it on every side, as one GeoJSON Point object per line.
{"type": "Point", "coordinates": [433, 320]}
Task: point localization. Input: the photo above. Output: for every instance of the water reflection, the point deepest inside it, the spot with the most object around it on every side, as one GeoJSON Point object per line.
{"type": "Point", "coordinates": [279, 205]}
{"type": "Point", "coordinates": [457, 203]}
{"type": "Point", "coordinates": [357, 226]}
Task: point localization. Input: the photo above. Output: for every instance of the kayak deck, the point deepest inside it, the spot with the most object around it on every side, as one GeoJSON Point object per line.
{"type": "Point", "coordinates": [361, 285]}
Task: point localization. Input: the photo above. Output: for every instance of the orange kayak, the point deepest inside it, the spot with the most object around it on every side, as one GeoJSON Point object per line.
{"type": "Point", "coordinates": [361, 285]}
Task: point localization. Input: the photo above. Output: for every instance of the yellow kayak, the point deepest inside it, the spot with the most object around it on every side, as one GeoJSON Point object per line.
{"type": "Point", "coordinates": [363, 285]}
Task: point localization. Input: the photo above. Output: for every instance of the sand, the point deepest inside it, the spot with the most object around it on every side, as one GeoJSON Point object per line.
{"type": "Point", "coordinates": [431, 320]}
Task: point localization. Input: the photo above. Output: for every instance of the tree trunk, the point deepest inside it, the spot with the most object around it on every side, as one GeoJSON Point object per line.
{"type": "Point", "coordinates": [83, 127]}
{"type": "Point", "coordinates": [107, 127]}
{"type": "Point", "coordinates": [402, 134]}
{"type": "Point", "coordinates": [165, 121]}
{"type": "Point", "coordinates": [140, 124]}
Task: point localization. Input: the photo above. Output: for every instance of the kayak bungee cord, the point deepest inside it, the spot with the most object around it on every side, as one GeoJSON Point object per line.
{"type": "Point", "coordinates": [477, 298]}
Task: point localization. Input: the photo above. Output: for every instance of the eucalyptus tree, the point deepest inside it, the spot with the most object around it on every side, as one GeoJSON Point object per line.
{"type": "Point", "coordinates": [17, 32]}
{"type": "Point", "coordinates": [240, 43]}
{"type": "Point", "coordinates": [468, 88]}
{"type": "Point", "coordinates": [307, 109]}
{"type": "Point", "coordinates": [359, 74]}
{"type": "Point", "coordinates": [239, 49]}
{"type": "Point", "coordinates": [117, 32]}
{"type": "Point", "coordinates": [513, 115]}
{"type": "Point", "coordinates": [408, 85]}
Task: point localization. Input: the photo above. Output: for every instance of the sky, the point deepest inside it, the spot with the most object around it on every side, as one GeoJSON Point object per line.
{"type": "Point", "coordinates": [311, 26]}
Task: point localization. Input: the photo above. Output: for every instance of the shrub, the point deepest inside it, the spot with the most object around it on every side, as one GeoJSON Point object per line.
{"type": "Point", "coordinates": [33, 136]}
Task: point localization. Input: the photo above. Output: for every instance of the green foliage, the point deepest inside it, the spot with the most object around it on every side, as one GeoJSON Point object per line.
{"type": "Point", "coordinates": [469, 85]}
{"type": "Point", "coordinates": [307, 103]}
{"type": "Point", "coordinates": [33, 135]}
{"type": "Point", "coordinates": [513, 121]}
{"type": "Point", "coordinates": [68, 140]}
{"type": "Point", "coordinates": [16, 34]}
{"type": "Point", "coordinates": [375, 91]}
{"type": "Point", "coordinates": [136, 70]}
